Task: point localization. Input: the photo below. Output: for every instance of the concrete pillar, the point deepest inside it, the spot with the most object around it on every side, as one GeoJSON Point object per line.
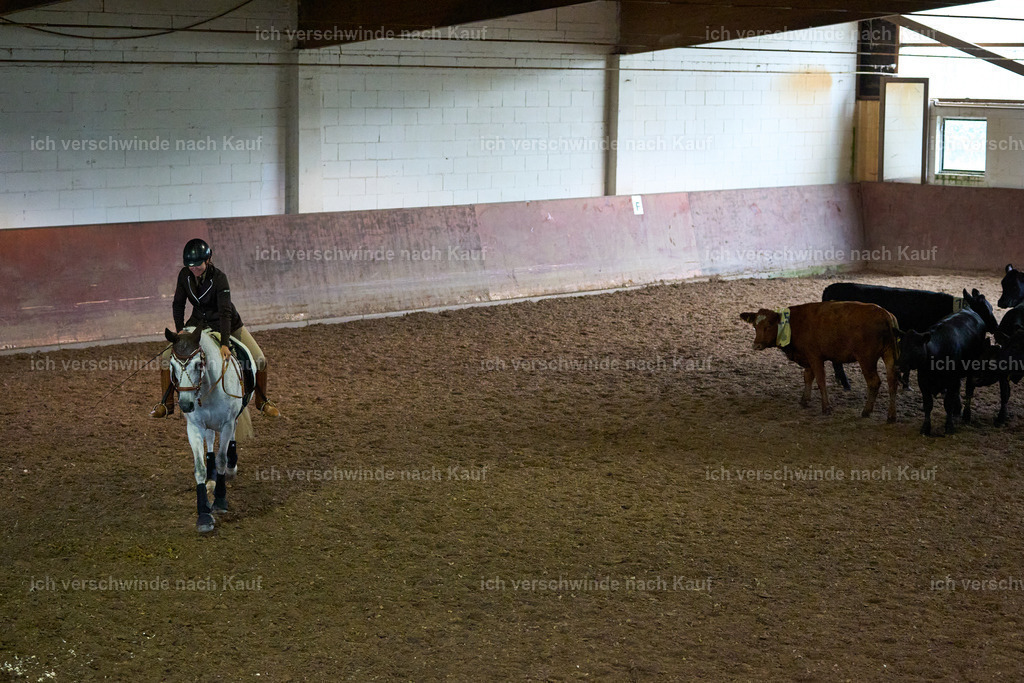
{"type": "Point", "coordinates": [304, 168]}
{"type": "Point", "coordinates": [611, 124]}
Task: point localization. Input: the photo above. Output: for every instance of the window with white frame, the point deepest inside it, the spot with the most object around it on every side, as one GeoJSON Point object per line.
{"type": "Point", "coordinates": [962, 145]}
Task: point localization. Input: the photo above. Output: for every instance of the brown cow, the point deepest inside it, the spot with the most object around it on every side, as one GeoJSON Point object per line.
{"type": "Point", "coordinates": [838, 331]}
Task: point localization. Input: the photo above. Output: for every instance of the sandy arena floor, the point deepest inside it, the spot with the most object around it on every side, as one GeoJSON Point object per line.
{"type": "Point", "coordinates": [610, 487]}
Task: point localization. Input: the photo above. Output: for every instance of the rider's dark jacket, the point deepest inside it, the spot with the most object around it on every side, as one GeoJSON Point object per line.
{"type": "Point", "coordinates": [210, 297]}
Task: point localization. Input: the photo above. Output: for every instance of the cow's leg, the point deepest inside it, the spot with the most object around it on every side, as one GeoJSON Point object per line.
{"type": "Point", "coordinates": [818, 368]}
{"type": "Point", "coordinates": [889, 359]}
{"type": "Point", "coordinates": [1004, 398]}
{"type": "Point", "coordinates": [926, 426]}
{"type": "Point", "coordinates": [951, 402]}
{"type": "Point", "coordinates": [805, 398]}
{"type": "Point", "coordinates": [870, 371]}
{"type": "Point", "coordinates": [968, 397]}
{"type": "Point", "coordinates": [841, 377]}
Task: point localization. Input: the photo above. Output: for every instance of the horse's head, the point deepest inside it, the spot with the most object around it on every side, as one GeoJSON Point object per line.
{"type": "Point", "coordinates": [188, 363]}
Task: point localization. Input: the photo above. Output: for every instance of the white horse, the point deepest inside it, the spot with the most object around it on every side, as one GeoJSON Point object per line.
{"type": "Point", "coordinates": [210, 393]}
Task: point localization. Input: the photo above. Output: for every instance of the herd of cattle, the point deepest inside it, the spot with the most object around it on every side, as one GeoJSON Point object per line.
{"type": "Point", "coordinates": [943, 337]}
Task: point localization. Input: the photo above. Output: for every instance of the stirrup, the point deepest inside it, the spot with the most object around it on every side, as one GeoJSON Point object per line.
{"type": "Point", "coordinates": [160, 410]}
{"type": "Point", "coordinates": [269, 409]}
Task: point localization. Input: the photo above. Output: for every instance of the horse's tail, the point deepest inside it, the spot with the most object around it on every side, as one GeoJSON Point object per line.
{"type": "Point", "coordinates": [243, 426]}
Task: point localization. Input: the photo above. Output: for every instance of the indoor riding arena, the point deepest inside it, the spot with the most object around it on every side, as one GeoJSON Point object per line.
{"type": "Point", "coordinates": [496, 262]}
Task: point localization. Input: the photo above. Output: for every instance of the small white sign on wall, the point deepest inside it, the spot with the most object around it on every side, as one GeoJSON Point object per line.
{"type": "Point", "coordinates": [638, 205]}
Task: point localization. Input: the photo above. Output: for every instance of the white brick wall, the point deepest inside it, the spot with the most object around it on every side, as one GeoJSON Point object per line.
{"type": "Point", "coordinates": [200, 113]}
{"type": "Point", "coordinates": [689, 119]}
{"type": "Point", "coordinates": [482, 124]}
{"type": "Point", "coordinates": [400, 123]}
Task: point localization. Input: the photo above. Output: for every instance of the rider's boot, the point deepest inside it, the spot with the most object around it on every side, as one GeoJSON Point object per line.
{"type": "Point", "coordinates": [262, 402]}
{"type": "Point", "coordinates": [166, 405]}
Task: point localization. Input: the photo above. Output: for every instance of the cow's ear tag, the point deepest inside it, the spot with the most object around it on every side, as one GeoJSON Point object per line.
{"type": "Point", "coordinates": [785, 333]}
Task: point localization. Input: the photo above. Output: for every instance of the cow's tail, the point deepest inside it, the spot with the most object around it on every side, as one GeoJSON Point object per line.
{"type": "Point", "coordinates": [894, 335]}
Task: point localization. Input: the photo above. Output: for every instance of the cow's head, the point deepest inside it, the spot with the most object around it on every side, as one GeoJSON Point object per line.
{"type": "Point", "coordinates": [766, 327]}
{"type": "Point", "coordinates": [1013, 288]}
{"type": "Point", "coordinates": [913, 350]}
{"type": "Point", "coordinates": [980, 305]}
{"type": "Point", "coordinates": [1011, 324]}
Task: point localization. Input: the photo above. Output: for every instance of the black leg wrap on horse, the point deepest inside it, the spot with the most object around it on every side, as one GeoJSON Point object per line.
{"type": "Point", "coordinates": [202, 503]}
{"type": "Point", "coordinates": [211, 466]}
{"type": "Point", "coordinates": [220, 492]}
{"type": "Point", "coordinates": [232, 454]}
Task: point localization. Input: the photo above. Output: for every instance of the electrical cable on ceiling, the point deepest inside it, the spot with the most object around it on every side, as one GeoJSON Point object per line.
{"type": "Point", "coordinates": [161, 32]}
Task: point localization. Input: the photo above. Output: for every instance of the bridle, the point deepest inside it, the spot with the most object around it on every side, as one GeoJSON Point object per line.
{"type": "Point", "coordinates": [185, 361]}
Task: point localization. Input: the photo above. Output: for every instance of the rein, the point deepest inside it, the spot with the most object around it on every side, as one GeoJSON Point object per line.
{"type": "Point", "coordinates": [121, 383]}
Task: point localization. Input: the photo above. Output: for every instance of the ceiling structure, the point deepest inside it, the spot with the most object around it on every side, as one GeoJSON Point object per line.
{"type": "Point", "coordinates": [8, 6]}
{"type": "Point", "coordinates": [643, 25]}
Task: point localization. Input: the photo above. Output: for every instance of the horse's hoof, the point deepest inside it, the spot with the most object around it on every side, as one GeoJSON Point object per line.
{"type": "Point", "coordinates": [231, 473]}
{"type": "Point", "coordinates": [220, 505]}
{"type": "Point", "coordinates": [205, 523]}
{"type": "Point", "coordinates": [210, 485]}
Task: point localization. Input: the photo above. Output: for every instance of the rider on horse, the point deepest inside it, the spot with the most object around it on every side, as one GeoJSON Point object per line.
{"type": "Point", "coordinates": [206, 288]}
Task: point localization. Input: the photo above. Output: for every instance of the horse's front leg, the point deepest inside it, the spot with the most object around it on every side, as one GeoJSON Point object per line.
{"type": "Point", "coordinates": [204, 520]}
{"type": "Point", "coordinates": [220, 491]}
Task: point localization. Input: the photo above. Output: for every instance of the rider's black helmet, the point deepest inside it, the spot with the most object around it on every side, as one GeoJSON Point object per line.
{"type": "Point", "coordinates": [196, 251]}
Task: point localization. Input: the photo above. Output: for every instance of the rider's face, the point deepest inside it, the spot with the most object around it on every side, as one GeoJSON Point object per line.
{"type": "Point", "coordinates": [198, 270]}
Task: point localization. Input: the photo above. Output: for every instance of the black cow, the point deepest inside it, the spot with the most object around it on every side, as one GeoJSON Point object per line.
{"type": "Point", "coordinates": [915, 309]}
{"type": "Point", "coordinates": [977, 302]}
{"type": "Point", "coordinates": [1013, 288]}
{"type": "Point", "coordinates": [1011, 324]}
{"type": "Point", "coordinates": [942, 357]}
{"type": "Point", "coordinates": [1000, 363]}
{"type": "Point", "coordinates": [992, 367]}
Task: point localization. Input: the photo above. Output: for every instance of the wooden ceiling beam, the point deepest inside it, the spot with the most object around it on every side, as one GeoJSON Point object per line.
{"type": "Point", "coordinates": [326, 22]}
{"type": "Point", "coordinates": [647, 26]}
{"type": "Point", "coordinates": [960, 44]}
